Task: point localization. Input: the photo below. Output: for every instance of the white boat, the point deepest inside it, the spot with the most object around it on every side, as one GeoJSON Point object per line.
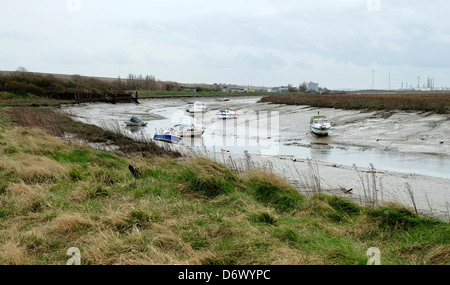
{"type": "Point", "coordinates": [196, 107]}
{"type": "Point", "coordinates": [189, 106]}
{"type": "Point", "coordinates": [135, 122]}
{"type": "Point", "coordinates": [227, 114]}
{"type": "Point", "coordinates": [167, 135]}
{"type": "Point", "coordinates": [319, 125]}
{"type": "Point", "coordinates": [184, 130]}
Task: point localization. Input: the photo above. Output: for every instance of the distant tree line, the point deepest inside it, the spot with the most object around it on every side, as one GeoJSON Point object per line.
{"type": "Point", "coordinates": [301, 88]}
{"type": "Point", "coordinates": [23, 82]}
{"type": "Point", "coordinates": [133, 82]}
{"type": "Point", "coordinates": [149, 82]}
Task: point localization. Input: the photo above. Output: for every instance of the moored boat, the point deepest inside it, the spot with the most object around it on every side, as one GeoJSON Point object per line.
{"type": "Point", "coordinates": [167, 135]}
{"type": "Point", "coordinates": [135, 122]}
{"type": "Point", "coordinates": [227, 114]}
{"type": "Point", "coordinates": [319, 125]}
{"type": "Point", "coordinates": [189, 106]}
{"type": "Point", "coordinates": [196, 107]}
{"type": "Point", "coordinates": [184, 130]}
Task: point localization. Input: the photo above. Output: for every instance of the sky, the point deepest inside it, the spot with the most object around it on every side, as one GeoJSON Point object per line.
{"type": "Point", "coordinates": [341, 44]}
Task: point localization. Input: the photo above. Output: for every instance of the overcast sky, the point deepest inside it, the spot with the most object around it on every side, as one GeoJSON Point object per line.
{"type": "Point", "coordinates": [339, 44]}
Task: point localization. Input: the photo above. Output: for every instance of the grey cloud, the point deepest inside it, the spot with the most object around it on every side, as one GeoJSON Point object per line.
{"type": "Point", "coordinates": [242, 60]}
{"type": "Point", "coordinates": [225, 39]}
{"type": "Point", "coordinates": [81, 57]}
{"type": "Point", "coordinates": [266, 61]}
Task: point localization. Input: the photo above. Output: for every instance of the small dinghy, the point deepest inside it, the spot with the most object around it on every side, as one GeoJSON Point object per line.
{"type": "Point", "coordinates": [135, 122]}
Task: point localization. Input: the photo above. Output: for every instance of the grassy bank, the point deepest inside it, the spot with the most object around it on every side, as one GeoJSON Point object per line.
{"type": "Point", "coordinates": [438, 102]}
{"type": "Point", "coordinates": [10, 99]}
{"type": "Point", "coordinates": [24, 83]}
{"type": "Point", "coordinates": [55, 195]}
{"type": "Point", "coordinates": [61, 125]}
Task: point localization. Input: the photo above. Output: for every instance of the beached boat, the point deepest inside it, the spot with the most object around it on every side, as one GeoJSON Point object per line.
{"type": "Point", "coordinates": [184, 130]}
{"type": "Point", "coordinates": [135, 122]}
{"type": "Point", "coordinates": [167, 135]}
{"type": "Point", "coordinates": [319, 125]}
{"type": "Point", "coordinates": [227, 114]}
{"type": "Point", "coordinates": [189, 106]}
{"type": "Point", "coordinates": [196, 107]}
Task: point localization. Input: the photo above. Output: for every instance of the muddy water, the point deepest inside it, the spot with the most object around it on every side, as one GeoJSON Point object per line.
{"type": "Point", "coordinates": [356, 138]}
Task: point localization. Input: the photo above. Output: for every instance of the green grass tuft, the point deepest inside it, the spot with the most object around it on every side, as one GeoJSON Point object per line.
{"type": "Point", "coordinates": [75, 156]}
{"type": "Point", "coordinates": [270, 190]}
{"type": "Point", "coordinates": [208, 178]}
{"type": "Point", "coordinates": [264, 218]}
{"type": "Point", "coordinates": [399, 218]}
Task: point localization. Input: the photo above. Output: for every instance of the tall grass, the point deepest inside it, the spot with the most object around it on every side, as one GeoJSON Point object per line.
{"type": "Point", "coordinates": [62, 125]}
{"type": "Point", "coordinates": [186, 211]}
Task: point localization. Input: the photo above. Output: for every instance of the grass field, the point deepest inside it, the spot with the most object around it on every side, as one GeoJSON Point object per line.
{"type": "Point", "coordinates": [179, 210]}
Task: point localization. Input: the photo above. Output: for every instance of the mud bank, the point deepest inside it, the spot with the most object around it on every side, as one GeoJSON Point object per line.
{"type": "Point", "coordinates": [398, 133]}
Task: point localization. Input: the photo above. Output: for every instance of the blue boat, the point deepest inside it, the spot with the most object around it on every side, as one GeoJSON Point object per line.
{"type": "Point", "coordinates": [167, 135]}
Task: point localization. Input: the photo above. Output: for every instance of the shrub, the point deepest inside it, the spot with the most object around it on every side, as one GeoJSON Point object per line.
{"type": "Point", "coordinates": [398, 217]}
{"type": "Point", "coordinates": [208, 178]}
{"type": "Point", "coordinates": [274, 191]}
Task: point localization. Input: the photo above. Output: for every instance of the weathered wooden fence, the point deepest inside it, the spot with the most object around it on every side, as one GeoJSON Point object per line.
{"type": "Point", "coordinates": [95, 97]}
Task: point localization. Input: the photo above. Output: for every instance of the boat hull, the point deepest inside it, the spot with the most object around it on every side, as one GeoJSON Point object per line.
{"type": "Point", "coordinates": [319, 125]}
{"type": "Point", "coordinates": [135, 122]}
{"type": "Point", "coordinates": [187, 131]}
{"type": "Point", "coordinates": [167, 138]}
{"type": "Point", "coordinates": [192, 133]}
{"type": "Point", "coordinates": [197, 107]}
{"type": "Point", "coordinates": [196, 110]}
{"type": "Point", "coordinates": [227, 115]}
{"type": "Point", "coordinates": [131, 124]}
{"type": "Point", "coordinates": [320, 131]}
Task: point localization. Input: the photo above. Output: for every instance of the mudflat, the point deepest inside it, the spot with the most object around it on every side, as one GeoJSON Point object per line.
{"type": "Point", "coordinates": [399, 132]}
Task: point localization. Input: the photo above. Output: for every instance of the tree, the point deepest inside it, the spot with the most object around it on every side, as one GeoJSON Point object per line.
{"type": "Point", "coordinates": [149, 83]}
{"type": "Point", "coordinates": [22, 69]}
{"type": "Point", "coordinates": [22, 72]}
{"type": "Point", "coordinates": [216, 87]}
{"type": "Point", "coordinates": [303, 87]}
{"type": "Point", "coordinates": [291, 88]}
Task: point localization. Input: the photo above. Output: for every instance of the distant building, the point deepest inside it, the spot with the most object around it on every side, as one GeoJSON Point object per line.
{"type": "Point", "coordinates": [312, 87]}
{"type": "Point", "coordinates": [233, 88]}
{"type": "Point", "coordinates": [279, 89]}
